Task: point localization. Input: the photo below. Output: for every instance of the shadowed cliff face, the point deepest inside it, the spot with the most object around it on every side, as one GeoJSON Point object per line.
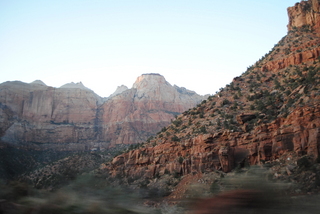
{"type": "Point", "coordinates": [74, 117]}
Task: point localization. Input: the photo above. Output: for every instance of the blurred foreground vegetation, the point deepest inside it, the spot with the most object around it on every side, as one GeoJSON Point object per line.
{"type": "Point", "coordinates": [248, 191]}
{"type": "Point", "coordinates": [86, 194]}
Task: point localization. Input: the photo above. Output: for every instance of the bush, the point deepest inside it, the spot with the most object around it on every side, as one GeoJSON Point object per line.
{"type": "Point", "coordinates": [87, 194]}
{"type": "Point", "coordinates": [214, 188]}
{"type": "Point", "coordinates": [203, 130]}
{"type": "Point", "coordinates": [225, 102]}
{"type": "Point", "coordinates": [180, 160]}
{"type": "Point", "coordinates": [177, 123]}
{"type": "Point", "coordinates": [175, 138]}
{"type": "Point", "coordinates": [304, 163]}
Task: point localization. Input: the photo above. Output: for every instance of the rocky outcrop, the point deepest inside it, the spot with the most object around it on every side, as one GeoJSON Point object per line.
{"type": "Point", "coordinates": [298, 133]}
{"type": "Point", "coordinates": [292, 59]}
{"type": "Point", "coordinates": [74, 117]}
{"type": "Point", "coordinates": [305, 13]}
{"type": "Point", "coordinates": [73, 85]}
{"type": "Point", "coordinates": [297, 47]}
{"type": "Point", "coordinates": [245, 117]}
{"type": "Point", "coordinates": [119, 90]}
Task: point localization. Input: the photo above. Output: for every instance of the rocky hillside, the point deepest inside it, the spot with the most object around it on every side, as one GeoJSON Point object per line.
{"type": "Point", "coordinates": [268, 115]}
{"type": "Point", "coordinates": [73, 117]}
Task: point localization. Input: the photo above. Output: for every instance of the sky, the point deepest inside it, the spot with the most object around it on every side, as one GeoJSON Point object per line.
{"type": "Point", "coordinates": [197, 44]}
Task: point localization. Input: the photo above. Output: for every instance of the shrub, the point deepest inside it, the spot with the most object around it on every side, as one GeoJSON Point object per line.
{"type": "Point", "coordinates": [163, 129]}
{"type": "Point", "coordinates": [180, 159]}
{"type": "Point", "coordinates": [304, 163]}
{"type": "Point", "coordinates": [277, 84]}
{"type": "Point", "coordinates": [214, 188]}
{"type": "Point", "coordinates": [175, 138]}
{"type": "Point", "coordinates": [203, 130]}
{"type": "Point", "coordinates": [225, 102]}
{"type": "Point", "coordinates": [177, 123]}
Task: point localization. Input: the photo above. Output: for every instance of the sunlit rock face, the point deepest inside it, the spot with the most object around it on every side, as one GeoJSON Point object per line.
{"type": "Point", "coordinates": [74, 117]}
{"type": "Point", "coordinates": [119, 90]}
{"type": "Point", "coordinates": [304, 23]}
{"type": "Point", "coordinates": [149, 105]}
{"type": "Point", "coordinates": [305, 13]}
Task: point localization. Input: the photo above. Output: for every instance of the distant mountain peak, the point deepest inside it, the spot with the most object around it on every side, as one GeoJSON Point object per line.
{"type": "Point", "coordinates": [39, 82]}
{"type": "Point", "coordinates": [149, 80]}
{"type": "Point", "coordinates": [119, 90]}
{"type": "Point", "coordinates": [78, 85]}
{"type": "Point", "coordinates": [152, 74]}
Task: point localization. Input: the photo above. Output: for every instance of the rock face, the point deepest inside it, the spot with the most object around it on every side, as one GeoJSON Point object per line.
{"type": "Point", "coordinates": [43, 114]}
{"type": "Point", "coordinates": [135, 114]}
{"type": "Point", "coordinates": [305, 13]}
{"type": "Point", "coordinates": [74, 117]}
{"type": "Point", "coordinates": [270, 112]}
{"type": "Point", "coordinates": [119, 90]}
{"type": "Point", "coordinates": [303, 17]}
{"type": "Point", "coordinates": [298, 133]}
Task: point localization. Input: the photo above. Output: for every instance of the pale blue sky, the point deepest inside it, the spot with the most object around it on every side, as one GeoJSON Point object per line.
{"type": "Point", "coordinates": [197, 44]}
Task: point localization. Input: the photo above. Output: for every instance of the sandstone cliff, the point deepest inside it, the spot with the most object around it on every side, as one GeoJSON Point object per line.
{"type": "Point", "coordinates": [136, 114]}
{"type": "Point", "coordinates": [42, 114]}
{"type": "Point", "coordinates": [73, 117]}
{"type": "Point", "coordinates": [270, 113]}
{"type": "Point", "coordinates": [304, 14]}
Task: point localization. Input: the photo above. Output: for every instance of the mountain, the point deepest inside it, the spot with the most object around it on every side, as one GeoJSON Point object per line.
{"type": "Point", "coordinates": [140, 112]}
{"type": "Point", "coordinates": [78, 85]}
{"type": "Point", "coordinates": [270, 115]}
{"type": "Point", "coordinates": [73, 117]}
{"type": "Point", "coordinates": [119, 90]}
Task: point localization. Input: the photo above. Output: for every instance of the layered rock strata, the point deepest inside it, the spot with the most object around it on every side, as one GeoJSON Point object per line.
{"type": "Point", "coordinates": [74, 117]}
{"type": "Point", "coordinates": [305, 13]}
{"type": "Point", "coordinates": [298, 133]}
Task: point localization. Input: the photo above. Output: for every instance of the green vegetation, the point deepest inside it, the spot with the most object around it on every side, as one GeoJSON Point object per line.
{"type": "Point", "coordinates": [175, 138]}
{"type": "Point", "coordinates": [180, 159]}
{"type": "Point", "coordinates": [225, 102]}
{"type": "Point", "coordinates": [177, 122]}
{"type": "Point", "coordinates": [87, 194]}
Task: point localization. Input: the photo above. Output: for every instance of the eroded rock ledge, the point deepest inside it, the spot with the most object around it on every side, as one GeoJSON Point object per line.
{"type": "Point", "coordinates": [299, 132]}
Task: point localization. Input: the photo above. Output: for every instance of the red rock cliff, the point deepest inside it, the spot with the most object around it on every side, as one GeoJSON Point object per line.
{"type": "Point", "coordinates": [305, 13]}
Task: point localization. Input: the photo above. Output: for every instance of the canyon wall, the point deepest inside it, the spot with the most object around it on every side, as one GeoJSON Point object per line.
{"type": "Point", "coordinates": [74, 117]}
